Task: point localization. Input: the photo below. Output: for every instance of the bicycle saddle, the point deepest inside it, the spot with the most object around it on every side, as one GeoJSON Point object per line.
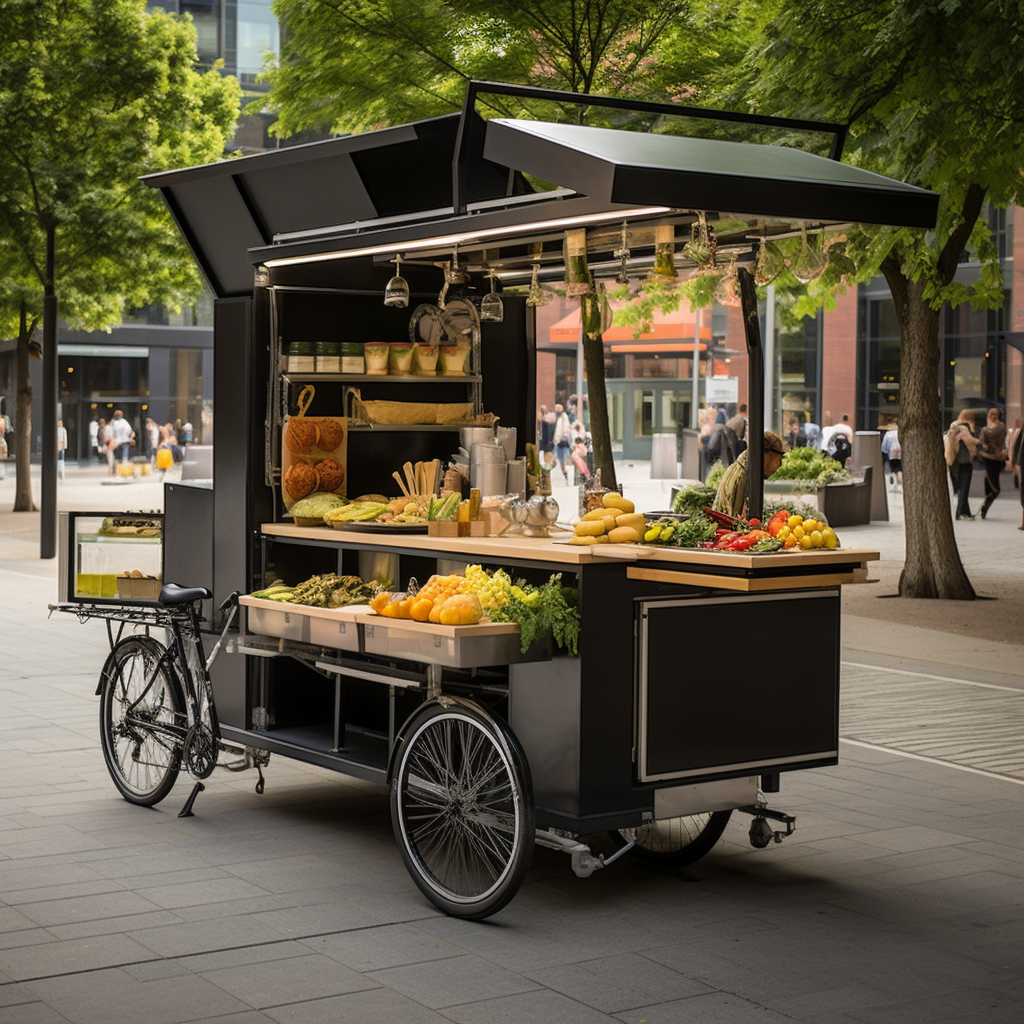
{"type": "Point", "coordinates": [173, 594]}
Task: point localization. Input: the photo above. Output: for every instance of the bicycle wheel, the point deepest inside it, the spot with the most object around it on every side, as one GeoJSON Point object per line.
{"type": "Point", "coordinates": [462, 810]}
{"type": "Point", "coordinates": [141, 752]}
{"type": "Point", "coordinates": [676, 842]}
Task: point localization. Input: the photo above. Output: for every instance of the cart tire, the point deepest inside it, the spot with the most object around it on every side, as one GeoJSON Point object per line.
{"type": "Point", "coordinates": [462, 809]}
{"type": "Point", "coordinates": [676, 842]}
{"type": "Point", "coordinates": [142, 761]}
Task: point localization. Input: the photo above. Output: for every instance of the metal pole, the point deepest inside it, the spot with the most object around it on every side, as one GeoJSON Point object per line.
{"type": "Point", "coordinates": [48, 488]}
{"type": "Point", "coordinates": [755, 375]}
{"type": "Point", "coordinates": [771, 374]}
{"type": "Point", "coordinates": [696, 368]}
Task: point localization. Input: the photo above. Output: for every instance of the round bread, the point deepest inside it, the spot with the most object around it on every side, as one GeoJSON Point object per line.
{"type": "Point", "coordinates": [331, 473]}
{"type": "Point", "coordinates": [301, 479]}
{"type": "Point", "coordinates": [301, 435]}
{"type": "Point", "coordinates": [332, 433]}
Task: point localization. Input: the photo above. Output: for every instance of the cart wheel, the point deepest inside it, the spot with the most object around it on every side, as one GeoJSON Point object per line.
{"type": "Point", "coordinates": [462, 809]}
{"type": "Point", "coordinates": [142, 752]}
{"type": "Point", "coordinates": [676, 842]}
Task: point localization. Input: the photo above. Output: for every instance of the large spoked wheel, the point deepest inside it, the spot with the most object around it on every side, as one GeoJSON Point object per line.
{"type": "Point", "coordinates": [676, 842]}
{"type": "Point", "coordinates": [462, 809]}
{"type": "Point", "coordinates": [138, 711]}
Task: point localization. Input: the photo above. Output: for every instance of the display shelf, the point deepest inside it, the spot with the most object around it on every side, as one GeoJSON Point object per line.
{"type": "Point", "coordinates": [382, 378]}
{"type": "Point", "coordinates": [355, 426]}
{"type": "Point", "coordinates": [87, 538]}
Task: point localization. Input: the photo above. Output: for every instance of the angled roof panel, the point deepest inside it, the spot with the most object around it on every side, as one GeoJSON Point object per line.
{"type": "Point", "coordinates": [711, 174]}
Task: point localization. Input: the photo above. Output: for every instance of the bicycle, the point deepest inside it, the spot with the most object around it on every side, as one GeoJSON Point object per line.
{"type": "Point", "coordinates": [157, 710]}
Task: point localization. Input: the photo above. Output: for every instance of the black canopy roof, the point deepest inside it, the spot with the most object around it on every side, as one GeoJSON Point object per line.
{"type": "Point", "coordinates": [390, 187]}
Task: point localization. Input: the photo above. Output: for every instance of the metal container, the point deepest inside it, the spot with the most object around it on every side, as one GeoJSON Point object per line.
{"type": "Point", "coordinates": [469, 436]}
{"type": "Point", "coordinates": [515, 478]}
{"type": "Point", "coordinates": [507, 437]}
{"type": "Point", "coordinates": [278, 622]}
{"type": "Point", "coordinates": [489, 478]}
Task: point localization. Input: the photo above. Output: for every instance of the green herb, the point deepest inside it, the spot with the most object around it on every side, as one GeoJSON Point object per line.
{"type": "Point", "coordinates": [693, 499]}
{"type": "Point", "coordinates": [694, 531]}
{"type": "Point", "coordinates": [552, 613]}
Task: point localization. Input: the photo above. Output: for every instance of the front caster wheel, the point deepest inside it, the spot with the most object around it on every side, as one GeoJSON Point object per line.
{"type": "Point", "coordinates": [676, 842]}
{"type": "Point", "coordinates": [462, 809]}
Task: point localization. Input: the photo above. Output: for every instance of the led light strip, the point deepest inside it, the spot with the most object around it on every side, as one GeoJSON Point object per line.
{"type": "Point", "coordinates": [469, 236]}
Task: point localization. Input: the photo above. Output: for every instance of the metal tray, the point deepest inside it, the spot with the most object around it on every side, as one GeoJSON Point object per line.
{"type": "Point", "coordinates": [382, 527]}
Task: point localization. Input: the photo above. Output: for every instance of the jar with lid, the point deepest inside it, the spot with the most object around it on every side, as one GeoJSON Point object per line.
{"type": "Point", "coordinates": [352, 357]}
{"type": "Point", "coordinates": [301, 357]}
{"type": "Point", "coordinates": [328, 357]}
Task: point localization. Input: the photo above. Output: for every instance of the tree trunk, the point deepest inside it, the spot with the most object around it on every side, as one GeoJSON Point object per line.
{"type": "Point", "coordinates": [23, 423]}
{"type": "Point", "coordinates": [597, 402]}
{"type": "Point", "coordinates": [933, 567]}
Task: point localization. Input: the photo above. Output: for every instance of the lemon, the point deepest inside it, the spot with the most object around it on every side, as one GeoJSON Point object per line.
{"type": "Point", "coordinates": [799, 532]}
{"type": "Point", "coordinates": [810, 525]}
{"type": "Point", "coordinates": [817, 539]}
{"type": "Point", "coordinates": [805, 541]}
{"type": "Point", "coordinates": [794, 521]}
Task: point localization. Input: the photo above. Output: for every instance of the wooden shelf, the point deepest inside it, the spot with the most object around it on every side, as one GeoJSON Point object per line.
{"type": "Point", "coordinates": [381, 378]}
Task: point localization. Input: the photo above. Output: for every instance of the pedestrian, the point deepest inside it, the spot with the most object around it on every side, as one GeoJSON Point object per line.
{"type": "Point", "coordinates": [562, 438]}
{"type": "Point", "coordinates": [1015, 462]}
{"type": "Point", "coordinates": [3, 451]}
{"type": "Point", "coordinates": [121, 435]}
{"type": "Point", "coordinates": [813, 433]}
{"type": "Point", "coordinates": [845, 428]}
{"type": "Point", "coordinates": [993, 457]}
{"type": "Point", "coordinates": [827, 430]}
{"type": "Point", "coordinates": [1012, 444]}
{"type": "Point", "coordinates": [893, 454]}
{"type": "Point", "coordinates": [961, 447]}
{"type": "Point", "coordinates": [62, 447]}
{"type": "Point", "coordinates": [796, 437]}
{"type": "Point", "coordinates": [738, 423]}
{"type": "Point", "coordinates": [94, 437]}
{"type": "Point", "coordinates": [153, 433]}
{"type": "Point", "coordinates": [106, 445]}
{"type": "Point", "coordinates": [546, 430]}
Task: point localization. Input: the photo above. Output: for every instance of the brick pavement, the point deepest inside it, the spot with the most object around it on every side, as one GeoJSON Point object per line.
{"type": "Point", "coordinates": [900, 898]}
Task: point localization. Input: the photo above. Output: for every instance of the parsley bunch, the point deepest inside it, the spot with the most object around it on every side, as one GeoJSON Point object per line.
{"type": "Point", "coordinates": [548, 610]}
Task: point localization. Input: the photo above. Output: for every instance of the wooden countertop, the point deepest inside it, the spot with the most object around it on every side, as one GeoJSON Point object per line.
{"type": "Point", "coordinates": [546, 549]}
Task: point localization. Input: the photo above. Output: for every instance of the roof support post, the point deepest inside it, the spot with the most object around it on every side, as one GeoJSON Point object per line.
{"type": "Point", "coordinates": [755, 394]}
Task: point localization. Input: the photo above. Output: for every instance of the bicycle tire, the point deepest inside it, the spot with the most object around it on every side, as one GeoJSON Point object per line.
{"type": "Point", "coordinates": [676, 842]}
{"type": "Point", "coordinates": [142, 760]}
{"type": "Point", "coordinates": [462, 810]}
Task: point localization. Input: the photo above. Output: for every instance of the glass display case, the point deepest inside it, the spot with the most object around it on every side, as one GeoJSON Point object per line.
{"type": "Point", "coordinates": [110, 556]}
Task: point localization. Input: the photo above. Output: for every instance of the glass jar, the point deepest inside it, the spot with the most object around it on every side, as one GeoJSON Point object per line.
{"type": "Point", "coordinates": [328, 357]}
{"type": "Point", "coordinates": [301, 357]}
{"type": "Point", "coordinates": [352, 357]}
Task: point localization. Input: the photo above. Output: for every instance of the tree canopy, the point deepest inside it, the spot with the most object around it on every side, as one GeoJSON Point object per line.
{"type": "Point", "coordinates": [352, 65]}
{"type": "Point", "coordinates": [94, 93]}
{"type": "Point", "coordinates": [932, 91]}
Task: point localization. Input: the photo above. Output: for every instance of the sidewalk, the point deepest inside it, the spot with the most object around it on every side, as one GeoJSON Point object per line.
{"type": "Point", "coordinates": [899, 899]}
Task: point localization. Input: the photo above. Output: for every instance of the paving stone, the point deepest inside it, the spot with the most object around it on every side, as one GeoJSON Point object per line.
{"type": "Point", "coordinates": [441, 983]}
{"type": "Point", "coordinates": [278, 982]}
{"type": "Point", "coordinates": [715, 1008]}
{"type": "Point", "coordinates": [31, 1013]}
{"type": "Point", "coordinates": [374, 1006]}
{"type": "Point", "coordinates": [114, 997]}
{"type": "Point", "coordinates": [372, 949]}
{"type": "Point", "coordinates": [541, 1007]}
{"type": "Point", "coordinates": [55, 958]}
{"type": "Point", "coordinates": [204, 936]}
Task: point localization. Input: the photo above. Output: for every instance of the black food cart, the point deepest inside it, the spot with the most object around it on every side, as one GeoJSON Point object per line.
{"type": "Point", "coordinates": [648, 732]}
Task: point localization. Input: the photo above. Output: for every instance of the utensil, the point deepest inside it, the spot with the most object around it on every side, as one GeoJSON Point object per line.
{"type": "Point", "coordinates": [491, 306]}
{"type": "Point", "coordinates": [401, 484]}
{"type": "Point", "coordinates": [396, 293]}
{"type": "Point", "coordinates": [410, 477]}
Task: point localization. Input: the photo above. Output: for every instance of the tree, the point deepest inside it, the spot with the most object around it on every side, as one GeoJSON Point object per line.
{"type": "Point", "coordinates": [352, 65]}
{"type": "Point", "coordinates": [932, 91]}
{"type": "Point", "coordinates": [94, 93]}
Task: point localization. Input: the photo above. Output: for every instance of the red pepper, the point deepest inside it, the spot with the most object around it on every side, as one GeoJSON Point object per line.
{"type": "Point", "coordinates": [742, 543]}
{"type": "Point", "coordinates": [754, 522]}
{"type": "Point", "coordinates": [726, 540]}
{"type": "Point", "coordinates": [778, 521]}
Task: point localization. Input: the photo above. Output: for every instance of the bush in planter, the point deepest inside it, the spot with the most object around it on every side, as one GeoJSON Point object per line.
{"type": "Point", "coordinates": [810, 464]}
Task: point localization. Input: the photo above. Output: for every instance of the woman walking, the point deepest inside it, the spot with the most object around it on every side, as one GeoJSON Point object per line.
{"type": "Point", "coordinates": [993, 456]}
{"type": "Point", "coordinates": [961, 447]}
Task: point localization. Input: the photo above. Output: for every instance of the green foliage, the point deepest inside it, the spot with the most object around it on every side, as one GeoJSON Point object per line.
{"type": "Point", "coordinates": [809, 464]}
{"type": "Point", "coordinates": [95, 93]}
{"type": "Point", "coordinates": [552, 612]}
{"type": "Point", "coordinates": [715, 474]}
{"type": "Point", "coordinates": [354, 65]}
{"type": "Point", "coordinates": [693, 499]}
{"type": "Point", "coordinates": [794, 508]}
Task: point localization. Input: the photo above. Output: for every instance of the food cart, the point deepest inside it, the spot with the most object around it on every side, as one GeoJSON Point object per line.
{"type": "Point", "coordinates": [677, 707]}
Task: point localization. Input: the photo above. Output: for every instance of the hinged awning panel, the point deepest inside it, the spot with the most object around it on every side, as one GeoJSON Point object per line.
{"type": "Point", "coordinates": [708, 174]}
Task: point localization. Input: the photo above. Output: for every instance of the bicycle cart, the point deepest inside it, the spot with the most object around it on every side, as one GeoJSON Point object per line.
{"type": "Point", "coordinates": [678, 708]}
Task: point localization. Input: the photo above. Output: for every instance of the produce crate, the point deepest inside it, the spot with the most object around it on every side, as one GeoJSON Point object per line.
{"type": "Point", "coordinates": [273, 618]}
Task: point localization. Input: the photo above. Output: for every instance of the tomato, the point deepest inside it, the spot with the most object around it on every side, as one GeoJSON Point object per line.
{"type": "Point", "coordinates": [742, 543]}
{"type": "Point", "coordinates": [754, 522]}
